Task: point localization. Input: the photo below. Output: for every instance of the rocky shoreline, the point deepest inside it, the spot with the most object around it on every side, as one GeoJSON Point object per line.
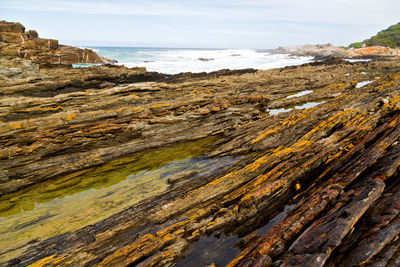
{"type": "Point", "coordinates": [309, 170]}
{"type": "Point", "coordinates": [325, 51]}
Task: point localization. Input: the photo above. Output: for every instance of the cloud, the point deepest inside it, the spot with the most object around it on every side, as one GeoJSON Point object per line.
{"type": "Point", "coordinates": [100, 7]}
{"type": "Point", "coordinates": [248, 22]}
{"type": "Point", "coordinates": [358, 12]}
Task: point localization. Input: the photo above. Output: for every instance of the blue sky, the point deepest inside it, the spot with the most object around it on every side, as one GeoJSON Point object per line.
{"type": "Point", "coordinates": [206, 23]}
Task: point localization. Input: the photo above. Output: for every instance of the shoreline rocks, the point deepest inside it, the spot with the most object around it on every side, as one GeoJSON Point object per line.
{"type": "Point", "coordinates": [306, 185]}
{"type": "Point", "coordinates": [204, 59]}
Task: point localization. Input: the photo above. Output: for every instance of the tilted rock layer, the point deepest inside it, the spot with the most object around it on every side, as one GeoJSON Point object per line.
{"type": "Point", "coordinates": [316, 185]}
{"type": "Point", "coordinates": [16, 42]}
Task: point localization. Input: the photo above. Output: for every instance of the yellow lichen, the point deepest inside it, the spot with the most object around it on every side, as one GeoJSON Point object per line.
{"type": "Point", "coordinates": [52, 260]}
{"type": "Point", "coordinates": [41, 109]}
{"type": "Point", "coordinates": [69, 117]}
{"type": "Point", "coordinates": [14, 125]}
{"type": "Point", "coordinates": [120, 110]}
{"type": "Point", "coordinates": [160, 106]}
{"type": "Point", "coordinates": [298, 186]}
{"type": "Point", "coordinates": [292, 120]}
{"type": "Point", "coordinates": [261, 136]}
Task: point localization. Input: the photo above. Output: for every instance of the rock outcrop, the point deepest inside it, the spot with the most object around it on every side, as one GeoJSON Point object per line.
{"type": "Point", "coordinates": [322, 50]}
{"type": "Point", "coordinates": [16, 42]}
{"type": "Point", "coordinates": [329, 50]}
{"type": "Point", "coordinates": [315, 184]}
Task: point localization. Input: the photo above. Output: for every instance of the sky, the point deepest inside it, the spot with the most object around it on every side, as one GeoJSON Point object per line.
{"type": "Point", "coordinates": [259, 24]}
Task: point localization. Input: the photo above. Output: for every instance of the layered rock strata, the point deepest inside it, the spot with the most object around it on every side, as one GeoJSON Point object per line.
{"type": "Point", "coordinates": [316, 185]}
{"type": "Point", "coordinates": [16, 42]}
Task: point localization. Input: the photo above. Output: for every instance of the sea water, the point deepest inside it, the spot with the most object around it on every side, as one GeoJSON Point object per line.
{"type": "Point", "coordinates": [177, 60]}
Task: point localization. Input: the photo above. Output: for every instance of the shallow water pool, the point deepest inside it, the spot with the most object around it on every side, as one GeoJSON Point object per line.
{"type": "Point", "coordinates": [86, 197]}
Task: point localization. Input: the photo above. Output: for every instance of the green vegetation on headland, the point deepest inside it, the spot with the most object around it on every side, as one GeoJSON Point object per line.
{"type": "Point", "coordinates": [356, 45]}
{"type": "Point", "coordinates": [389, 38]}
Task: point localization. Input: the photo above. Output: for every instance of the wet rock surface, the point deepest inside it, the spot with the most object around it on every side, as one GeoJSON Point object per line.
{"type": "Point", "coordinates": [314, 186]}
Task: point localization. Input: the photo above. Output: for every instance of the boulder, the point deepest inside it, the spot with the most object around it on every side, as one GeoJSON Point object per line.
{"type": "Point", "coordinates": [11, 27]}
{"type": "Point", "coordinates": [205, 59]}
{"type": "Point", "coordinates": [32, 34]}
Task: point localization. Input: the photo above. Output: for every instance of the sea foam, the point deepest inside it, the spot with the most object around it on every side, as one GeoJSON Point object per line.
{"type": "Point", "coordinates": [174, 60]}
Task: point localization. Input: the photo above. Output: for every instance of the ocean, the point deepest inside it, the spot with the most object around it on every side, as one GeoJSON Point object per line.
{"type": "Point", "coordinates": [177, 60]}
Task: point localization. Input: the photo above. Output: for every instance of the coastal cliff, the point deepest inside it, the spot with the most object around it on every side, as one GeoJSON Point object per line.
{"type": "Point", "coordinates": [116, 166]}
{"type": "Point", "coordinates": [16, 42]}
